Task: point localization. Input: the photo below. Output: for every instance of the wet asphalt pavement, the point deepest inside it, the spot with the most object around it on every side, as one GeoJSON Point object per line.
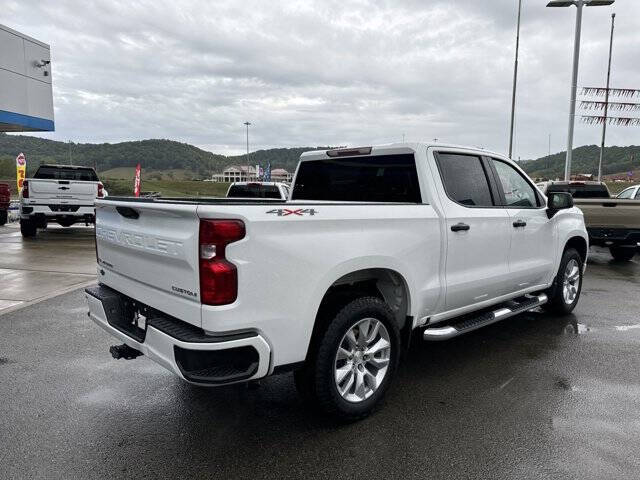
{"type": "Point", "coordinates": [529, 398]}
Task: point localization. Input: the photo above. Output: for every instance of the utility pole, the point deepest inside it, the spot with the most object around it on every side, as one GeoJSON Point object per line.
{"type": "Point", "coordinates": [403, 138]}
{"type": "Point", "coordinates": [549, 145]}
{"type": "Point", "coordinates": [606, 100]}
{"type": "Point", "coordinates": [579, 4]}
{"type": "Point", "coordinates": [70, 162]}
{"type": "Point", "coordinates": [247, 124]}
{"type": "Point", "coordinates": [515, 80]}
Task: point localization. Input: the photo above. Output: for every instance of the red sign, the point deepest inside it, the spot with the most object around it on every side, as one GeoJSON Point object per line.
{"type": "Point", "coordinates": [136, 182]}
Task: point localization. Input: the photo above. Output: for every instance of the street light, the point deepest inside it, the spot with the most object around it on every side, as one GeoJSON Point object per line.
{"type": "Point", "coordinates": [576, 56]}
{"type": "Point", "coordinates": [247, 125]}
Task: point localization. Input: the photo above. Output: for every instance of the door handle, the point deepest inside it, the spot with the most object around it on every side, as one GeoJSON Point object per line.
{"type": "Point", "coordinates": [519, 223]}
{"type": "Point", "coordinates": [460, 227]}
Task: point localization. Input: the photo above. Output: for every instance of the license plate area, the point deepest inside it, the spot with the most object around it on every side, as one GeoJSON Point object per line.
{"type": "Point", "coordinates": [123, 313]}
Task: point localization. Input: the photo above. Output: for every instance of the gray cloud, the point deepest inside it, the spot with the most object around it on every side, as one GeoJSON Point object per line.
{"type": "Point", "coordinates": [328, 72]}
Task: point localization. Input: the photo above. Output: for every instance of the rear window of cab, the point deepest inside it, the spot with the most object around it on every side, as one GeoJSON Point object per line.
{"type": "Point", "coordinates": [375, 179]}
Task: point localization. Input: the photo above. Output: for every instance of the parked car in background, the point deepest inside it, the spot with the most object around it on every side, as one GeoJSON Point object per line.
{"type": "Point", "coordinates": [374, 244]}
{"type": "Point", "coordinates": [64, 194]}
{"type": "Point", "coordinates": [631, 193]}
{"type": "Point", "coordinates": [5, 197]}
{"type": "Point", "coordinates": [611, 222]}
{"type": "Point", "coordinates": [273, 190]}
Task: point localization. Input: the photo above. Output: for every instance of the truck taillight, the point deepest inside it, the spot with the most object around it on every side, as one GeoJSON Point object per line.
{"type": "Point", "coordinates": [100, 190]}
{"type": "Point", "coordinates": [25, 189]}
{"type": "Point", "coordinates": [218, 276]}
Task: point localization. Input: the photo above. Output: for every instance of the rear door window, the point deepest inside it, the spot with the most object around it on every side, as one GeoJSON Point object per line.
{"type": "Point", "coordinates": [254, 191]}
{"type": "Point", "coordinates": [379, 178]}
{"type": "Point", "coordinates": [465, 179]}
{"type": "Point", "coordinates": [57, 173]}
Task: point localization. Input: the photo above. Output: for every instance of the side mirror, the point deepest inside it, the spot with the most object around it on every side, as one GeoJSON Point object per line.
{"type": "Point", "coordinates": [558, 201]}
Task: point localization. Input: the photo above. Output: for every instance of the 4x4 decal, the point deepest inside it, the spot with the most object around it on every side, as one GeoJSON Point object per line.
{"type": "Point", "coordinates": [283, 212]}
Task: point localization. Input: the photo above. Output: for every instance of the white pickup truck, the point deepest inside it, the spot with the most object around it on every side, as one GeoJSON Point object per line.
{"type": "Point", "coordinates": [64, 194]}
{"type": "Point", "coordinates": [374, 245]}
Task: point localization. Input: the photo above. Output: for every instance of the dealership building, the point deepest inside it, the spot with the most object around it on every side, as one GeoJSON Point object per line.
{"type": "Point", "coordinates": [26, 99]}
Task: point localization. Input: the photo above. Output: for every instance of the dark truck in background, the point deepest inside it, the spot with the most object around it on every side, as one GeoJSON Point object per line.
{"type": "Point", "coordinates": [611, 222]}
{"type": "Point", "coordinates": [5, 197]}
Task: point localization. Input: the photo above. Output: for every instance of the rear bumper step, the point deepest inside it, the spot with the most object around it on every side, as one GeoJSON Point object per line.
{"type": "Point", "coordinates": [473, 321]}
{"type": "Point", "coordinates": [197, 356]}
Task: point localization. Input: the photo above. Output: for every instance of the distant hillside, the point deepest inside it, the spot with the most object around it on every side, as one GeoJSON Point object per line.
{"type": "Point", "coordinates": [286, 158]}
{"type": "Point", "coordinates": [585, 160]}
{"type": "Point", "coordinates": [153, 155]}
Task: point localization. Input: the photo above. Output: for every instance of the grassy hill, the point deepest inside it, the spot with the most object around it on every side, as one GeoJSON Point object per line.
{"type": "Point", "coordinates": [164, 158]}
{"type": "Point", "coordinates": [585, 160]}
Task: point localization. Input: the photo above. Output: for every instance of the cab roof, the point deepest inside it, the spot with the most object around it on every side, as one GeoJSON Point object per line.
{"type": "Point", "coordinates": [388, 149]}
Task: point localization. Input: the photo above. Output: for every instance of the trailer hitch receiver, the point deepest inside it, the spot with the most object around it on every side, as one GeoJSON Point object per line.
{"type": "Point", "coordinates": [124, 351]}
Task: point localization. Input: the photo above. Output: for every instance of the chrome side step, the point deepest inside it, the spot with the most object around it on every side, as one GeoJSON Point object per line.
{"type": "Point", "coordinates": [473, 321]}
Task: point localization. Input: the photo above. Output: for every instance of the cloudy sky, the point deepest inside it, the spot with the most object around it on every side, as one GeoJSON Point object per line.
{"type": "Point", "coordinates": [347, 72]}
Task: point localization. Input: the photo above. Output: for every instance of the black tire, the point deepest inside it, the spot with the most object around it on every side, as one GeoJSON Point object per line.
{"type": "Point", "coordinates": [316, 380]}
{"type": "Point", "coordinates": [622, 254]}
{"type": "Point", "coordinates": [28, 228]}
{"type": "Point", "coordinates": [3, 217]}
{"type": "Point", "coordinates": [66, 223]}
{"type": "Point", "coordinates": [557, 303]}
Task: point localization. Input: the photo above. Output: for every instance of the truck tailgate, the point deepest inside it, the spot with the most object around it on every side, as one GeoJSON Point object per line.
{"type": "Point", "coordinates": [62, 189]}
{"type": "Point", "coordinates": [610, 212]}
{"type": "Point", "coordinates": [150, 252]}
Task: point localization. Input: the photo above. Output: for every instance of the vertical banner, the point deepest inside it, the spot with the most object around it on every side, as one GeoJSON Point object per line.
{"type": "Point", "coordinates": [21, 170]}
{"type": "Point", "coordinates": [267, 173]}
{"type": "Point", "coordinates": [136, 182]}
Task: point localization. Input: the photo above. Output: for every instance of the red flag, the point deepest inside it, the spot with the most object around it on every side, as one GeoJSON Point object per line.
{"type": "Point", "coordinates": [136, 182]}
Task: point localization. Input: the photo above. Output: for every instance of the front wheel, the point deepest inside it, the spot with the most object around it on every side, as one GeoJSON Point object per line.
{"type": "Point", "coordinates": [622, 254]}
{"type": "Point", "coordinates": [564, 295]}
{"type": "Point", "coordinates": [3, 217]}
{"type": "Point", "coordinates": [355, 361]}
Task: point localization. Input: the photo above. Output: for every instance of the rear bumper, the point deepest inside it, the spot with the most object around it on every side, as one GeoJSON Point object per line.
{"type": "Point", "coordinates": [613, 236]}
{"type": "Point", "coordinates": [196, 357]}
{"type": "Point", "coordinates": [55, 211]}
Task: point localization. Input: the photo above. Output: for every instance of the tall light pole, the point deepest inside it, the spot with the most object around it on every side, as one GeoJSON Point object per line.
{"type": "Point", "coordinates": [515, 80]}
{"type": "Point", "coordinates": [606, 100]}
{"type": "Point", "coordinates": [574, 77]}
{"type": "Point", "coordinates": [247, 124]}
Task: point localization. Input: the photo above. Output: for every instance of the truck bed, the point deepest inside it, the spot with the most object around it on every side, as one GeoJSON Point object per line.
{"type": "Point", "coordinates": [610, 213]}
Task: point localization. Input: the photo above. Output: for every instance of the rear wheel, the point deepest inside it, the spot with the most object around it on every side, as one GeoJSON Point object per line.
{"type": "Point", "coordinates": [564, 295]}
{"type": "Point", "coordinates": [3, 217]}
{"type": "Point", "coordinates": [66, 223]}
{"type": "Point", "coordinates": [355, 361]}
{"type": "Point", "coordinates": [622, 254]}
{"type": "Point", "coordinates": [28, 228]}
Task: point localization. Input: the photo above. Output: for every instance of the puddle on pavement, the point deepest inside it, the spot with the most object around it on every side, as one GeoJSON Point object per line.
{"type": "Point", "coordinates": [575, 328]}
{"type": "Point", "coordinates": [564, 384]}
{"type": "Point", "coordinates": [624, 328]}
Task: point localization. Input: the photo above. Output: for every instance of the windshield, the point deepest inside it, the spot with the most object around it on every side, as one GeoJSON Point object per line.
{"type": "Point", "coordinates": [253, 190]}
{"type": "Point", "coordinates": [61, 173]}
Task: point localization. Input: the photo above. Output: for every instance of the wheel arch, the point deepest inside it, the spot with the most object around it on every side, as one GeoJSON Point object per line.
{"type": "Point", "coordinates": [386, 283]}
{"type": "Point", "coordinates": [580, 244]}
